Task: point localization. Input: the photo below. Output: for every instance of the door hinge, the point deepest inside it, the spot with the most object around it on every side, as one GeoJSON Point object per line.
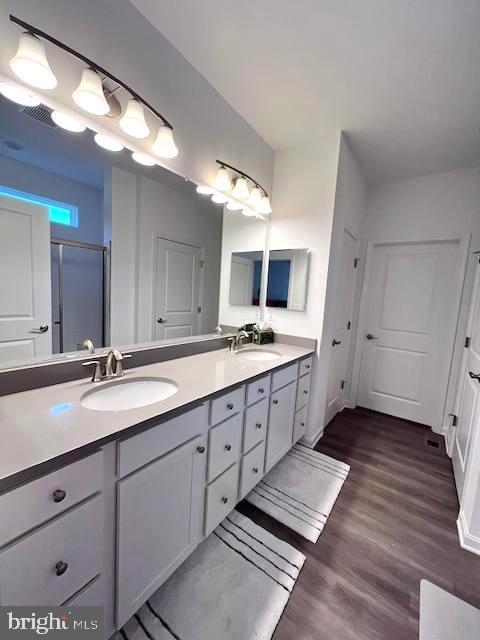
{"type": "Point", "coordinates": [355, 263]}
{"type": "Point", "coordinates": [199, 309]}
{"type": "Point", "coordinates": [342, 384]}
{"type": "Point", "coordinates": [467, 342]}
{"type": "Point", "coordinates": [349, 324]}
{"type": "Point", "coordinates": [454, 419]}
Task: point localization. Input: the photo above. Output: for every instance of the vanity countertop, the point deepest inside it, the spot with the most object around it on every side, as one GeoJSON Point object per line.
{"type": "Point", "coordinates": [41, 425]}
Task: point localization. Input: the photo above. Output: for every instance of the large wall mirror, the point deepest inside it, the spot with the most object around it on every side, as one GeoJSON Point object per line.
{"type": "Point", "coordinates": [95, 246]}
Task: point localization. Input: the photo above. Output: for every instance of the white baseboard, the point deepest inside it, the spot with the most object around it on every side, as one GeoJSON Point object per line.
{"type": "Point", "coordinates": [311, 441]}
{"type": "Point", "coordinates": [467, 540]}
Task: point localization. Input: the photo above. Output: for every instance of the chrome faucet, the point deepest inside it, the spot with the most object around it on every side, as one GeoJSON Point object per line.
{"type": "Point", "coordinates": [237, 341]}
{"type": "Point", "coordinates": [113, 355]}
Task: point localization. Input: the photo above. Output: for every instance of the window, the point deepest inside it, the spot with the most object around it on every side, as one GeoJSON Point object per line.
{"type": "Point", "coordinates": [60, 213]}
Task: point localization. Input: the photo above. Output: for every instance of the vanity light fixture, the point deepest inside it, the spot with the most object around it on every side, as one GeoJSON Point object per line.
{"type": "Point", "coordinates": [108, 143]}
{"type": "Point", "coordinates": [233, 205]}
{"type": "Point", "coordinates": [30, 62]}
{"type": "Point", "coordinates": [265, 207]}
{"type": "Point", "coordinates": [240, 190]}
{"type": "Point", "coordinates": [255, 198]}
{"type": "Point", "coordinates": [133, 121]}
{"type": "Point", "coordinates": [256, 201]}
{"type": "Point", "coordinates": [68, 122]}
{"type": "Point", "coordinates": [164, 146]}
{"type": "Point", "coordinates": [89, 94]}
{"type": "Point", "coordinates": [222, 181]}
{"type": "Point", "coordinates": [204, 190]}
{"type": "Point", "coordinates": [18, 94]}
{"type": "Point", "coordinates": [219, 198]}
{"type": "Point", "coordinates": [143, 158]}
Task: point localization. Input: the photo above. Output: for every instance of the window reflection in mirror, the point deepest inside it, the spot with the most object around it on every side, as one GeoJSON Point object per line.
{"type": "Point", "coordinates": [287, 279]}
{"type": "Point", "coordinates": [95, 246]}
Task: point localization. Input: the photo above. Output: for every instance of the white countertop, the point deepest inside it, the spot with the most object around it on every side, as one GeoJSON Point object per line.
{"type": "Point", "coordinates": [40, 425]}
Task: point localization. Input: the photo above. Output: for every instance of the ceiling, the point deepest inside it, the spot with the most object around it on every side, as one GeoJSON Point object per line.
{"type": "Point", "coordinates": [400, 77]}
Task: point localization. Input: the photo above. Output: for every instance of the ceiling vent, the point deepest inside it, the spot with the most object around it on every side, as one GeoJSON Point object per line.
{"type": "Point", "coordinates": [40, 114]}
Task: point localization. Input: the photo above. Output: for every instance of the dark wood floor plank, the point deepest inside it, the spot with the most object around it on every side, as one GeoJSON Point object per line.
{"type": "Point", "coordinates": [393, 524]}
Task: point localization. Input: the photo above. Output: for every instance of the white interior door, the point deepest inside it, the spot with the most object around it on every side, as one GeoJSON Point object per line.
{"type": "Point", "coordinates": [411, 316]}
{"type": "Point", "coordinates": [25, 293]}
{"type": "Point", "coordinates": [340, 340]}
{"type": "Point", "coordinates": [241, 281]}
{"type": "Point", "coordinates": [468, 406]}
{"type": "Point", "coordinates": [177, 289]}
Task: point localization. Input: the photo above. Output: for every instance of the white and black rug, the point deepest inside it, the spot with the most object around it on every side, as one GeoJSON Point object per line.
{"type": "Point", "coordinates": [234, 586]}
{"type": "Point", "coordinates": [446, 617]}
{"type": "Point", "coordinates": [300, 490]}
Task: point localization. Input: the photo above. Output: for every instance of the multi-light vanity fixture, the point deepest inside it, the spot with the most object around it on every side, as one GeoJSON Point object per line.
{"type": "Point", "coordinates": [250, 201]}
{"type": "Point", "coordinates": [30, 64]}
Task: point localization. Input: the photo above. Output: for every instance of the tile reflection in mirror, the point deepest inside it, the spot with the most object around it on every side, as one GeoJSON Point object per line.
{"type": "Point", "coordinates": [287, 279]}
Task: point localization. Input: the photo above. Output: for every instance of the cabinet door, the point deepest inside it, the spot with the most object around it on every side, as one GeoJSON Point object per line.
{"type": "Point", "coordinates": [280, 424]}
{"type": "Point", "coordinates": [159, 523]}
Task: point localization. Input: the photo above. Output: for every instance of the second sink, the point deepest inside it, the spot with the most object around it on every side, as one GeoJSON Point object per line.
{"type": "Point", "coordinates": [128, 394]}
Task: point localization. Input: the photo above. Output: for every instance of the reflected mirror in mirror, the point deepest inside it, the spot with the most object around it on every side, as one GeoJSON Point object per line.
{"type": "Point", "coordinates": [94, 246]}
{"type": "Point", "coordinates": [246, 278]}
{"type": "Point", "coordinates": [287, 279]}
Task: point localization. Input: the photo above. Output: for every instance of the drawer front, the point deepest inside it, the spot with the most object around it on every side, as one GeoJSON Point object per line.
{"type": "Point", "coordinates": [93, 595]}
{"type": "Point", "coordinates": [284, 376]}
{"type": "Point", "coordinates": [227, 405]}
{"type": "Point", "coordinates": [224, 445]}
{"type": "Point", "coordinates": [305, 366]}
{"type": "Point", "coordinates": [149, 445]}
{"type": "Point", "coordinates": [30, 570]}
{"type": "Point", "coordinates": [256, 421]}
{"type": "Point", "coordinates": [258, 389]}
{"type": "Point", "coordinates": [303, 392]}
{"type": "Point", "coordinates": [33, 503]}
{"type": "Point", "coordinates": [300, 424]}
{"type": "Point", "coordinates": [252, 469]}
{"type": "Point", "coordinates": [221, 498]}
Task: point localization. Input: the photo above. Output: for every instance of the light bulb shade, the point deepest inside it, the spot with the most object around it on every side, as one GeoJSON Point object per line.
{"type": "Point", "coordinates": [240, 190]}
{"type": "Point", "coordinates": [255, 198]}
{"type": "Point", "coordinates": [68, 122]}
{"type": "Point", "coordinates": [222, 181]}
{"type": "Point", "coordinates": [164, 145]}
{"type": "Point", "coordinates": [219, 198]}
{"type": "Point", "coordinates": [232, 205]}
{"type": "Point", "coordinates": [18, 94]}
{"type": "Point", "coordinates": [204, 190]}
{"type": "Point", "coordinates": [142, 158]}
{"type": "Point", "coordinates": [248, 212]}
{"type": "Point", "coordinates": [265, 206]}
{"type": "Point", "coordinates": [108, 143]}
{"type": "Point", "coordinates": [133, 121]}
{"type": "Point", "coordinates": [89, 94]}
{"type": "Point", "coordinates": [30, 63]}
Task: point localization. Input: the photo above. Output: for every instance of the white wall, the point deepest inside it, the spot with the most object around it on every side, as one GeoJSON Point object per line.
{"type": "Point", "coordinates": [440, 206]}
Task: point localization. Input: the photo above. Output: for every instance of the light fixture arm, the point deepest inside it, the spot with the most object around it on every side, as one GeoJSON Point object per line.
{"type": "Point", "coordinates": [37, 32]}
{"type": "Point", "coordinates": [243, 174]}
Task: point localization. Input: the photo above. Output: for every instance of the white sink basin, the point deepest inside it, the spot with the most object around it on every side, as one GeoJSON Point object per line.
{"type": "Point", "coordinates": [128, 394]}
{"type": "Point", "coordinates": [260, 355]}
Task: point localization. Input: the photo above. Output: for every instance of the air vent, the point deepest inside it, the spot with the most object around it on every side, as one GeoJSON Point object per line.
{"type": "Point", "coordinates": [41, 114]}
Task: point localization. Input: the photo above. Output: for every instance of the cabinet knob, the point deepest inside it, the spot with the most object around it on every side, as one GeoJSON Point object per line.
{"type": "Point", "coordinates": [59, 495]}
{"type": "Point", "coordinates": [224, 499]}
{"type": "Point", "coordinates": [61, 567]}
{"type": "Point", "coordinates": [302, 424]}
{"type": "Point", "coordinates": [230, 406]}
{"type": "Point", "coordinates": [305, 391]}
{"type": "Point", "coordinates": [307, 366]}
{"type": "Point", "coordinates": [275, 401]}
{"type": "Point", "coordinates": [228, 447]}
{"type": "Point", "coordinates": [201, 449]}
{"type": "Point", "coordinates": [255, 469]}
{"type": "Point", "coordinates": [258, 425]}
{"type": "Point", "coordinates": [261, 390]}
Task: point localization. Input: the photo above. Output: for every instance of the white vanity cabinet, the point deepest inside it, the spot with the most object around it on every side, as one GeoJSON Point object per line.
{"type": "Point", "coordinates": [280, 423]}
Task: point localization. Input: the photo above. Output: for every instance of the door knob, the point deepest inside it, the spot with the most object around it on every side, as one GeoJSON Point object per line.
{"type": "Point", "coordinates": [161, 321]}
{"type": "Point", "coordinates": [41, 329]}
{"type": "Point", "coordinates": [61, 567]}
{"type": "Point", "coordinates": [369, 336]}
{"type": "Point", "coordinates": [335, 342]}
{"type": "Point", "coordinates": [475, 376]}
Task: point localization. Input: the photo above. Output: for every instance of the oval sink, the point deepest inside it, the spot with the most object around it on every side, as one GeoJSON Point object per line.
{"type": "Point", "coordinates": [260, 355]}
{"type": "Point", "coordinates": [128, 394]}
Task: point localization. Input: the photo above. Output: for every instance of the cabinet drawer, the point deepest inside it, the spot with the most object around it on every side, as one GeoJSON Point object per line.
{"type": "Point", "coordinates": [29, 569]}
{"type": "Point", "coordinates": [258, 389]}
{"type": "Point", "coordinates": [303, 392]}
{"type": "Point", "coordinates": [252, 469]}
{"type": "Point", "coordinates": [221, 498]}
{"type": "Point", "coordinates": [149, 445]}
{"type": "Point", "coordinates": [305, 366]}
{"type": "Point", "coordinates": [224, 445]}
{"type": "Point", "coordinates": [33, 503]}
{"type": "Point", "coordinates": [93, 595]}
{"type": "Point", "coordinates": [300, 424]}
{"type": "Point", "coordinates": [284, 376]}
{"type": "Point", "coordinates": [226, 405]}
{"type": "Point", "coordinates": [256, 420]}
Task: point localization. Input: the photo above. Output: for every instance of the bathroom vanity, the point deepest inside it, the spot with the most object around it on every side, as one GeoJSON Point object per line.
{"type": "Point", "coordinates": [99, 507]}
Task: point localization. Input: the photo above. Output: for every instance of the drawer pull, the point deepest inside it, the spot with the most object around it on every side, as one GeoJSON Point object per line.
{"type": "Point", "coordinates": [305, 391]}
{"type": "Point", "coordinates": [224, 499]}
{"type": "Point", "coordinates": [302, 424]}
{"type": "Point", "coordinates": [228, 447]}
{"type": "Point", "coordinates": [201, 449]}
{"type": "Point", "coordinates": [261, 390]}
{"type": "Point", "coordinates": [59, 495]}
{"type": "Point", "coordinates": [255, 469]}
{"type": "Point", "coordinates": [230, 406]}
{"type": "Point", "coordinates": [307, 366]}
{"type": "Point", "coordinates": [275, 401]}
{"type": "Point", "coordinates": [258, 425]}
{"type": "Point", "coordinates": [61, 567]}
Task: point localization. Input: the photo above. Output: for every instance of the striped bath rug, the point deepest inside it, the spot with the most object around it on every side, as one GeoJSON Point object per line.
{"type": "Point", "coordinates": [300, 490]}
{"type": "Point", "coordinates": [235, 585]}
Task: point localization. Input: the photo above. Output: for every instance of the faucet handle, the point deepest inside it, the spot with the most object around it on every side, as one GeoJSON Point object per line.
{"type": "Point", "coordinates": [97, 374]}
{"type": "Point", "coordinates": [119, 366]}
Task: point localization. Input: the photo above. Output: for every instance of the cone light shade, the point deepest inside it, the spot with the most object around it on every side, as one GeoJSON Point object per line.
{"type": "Point", "coordinates": [133, 121]}
{"type": "Point", "coordinates": [241, 189]}
{"type": "Point", "coordinates": [68, 122]}
{"type": "Point", "coordinates": [219, 198]}
{"type": "Point", "coordinates": [232, 205]}
{"type": "Point", "coordinates": [222, 181]}
{"type": "Point", "coordinates": [204, 190]}
{"type": "Point", "coordinates": [108, 143]}
{"type": "Point", "coordinates": [30, 63]}
{"type": "Point", "coordinates": [89, 94]}
{"type": "Point", "coordinates": [142, 158]}
{"type": "Point", "coordinates": [164, 145]}
{"type": "Point", "coordinates": [18, 95]}
{"type": "Point", "coordinates": [265, 206]}
{"type": "Point", "coordinates": [255, 198]}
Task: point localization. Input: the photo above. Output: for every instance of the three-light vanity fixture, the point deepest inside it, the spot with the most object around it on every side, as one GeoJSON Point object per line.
{"type": "Point", "coordinates": [30, 64]}
{"type": "Point", "coordinates": [250, 202]}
